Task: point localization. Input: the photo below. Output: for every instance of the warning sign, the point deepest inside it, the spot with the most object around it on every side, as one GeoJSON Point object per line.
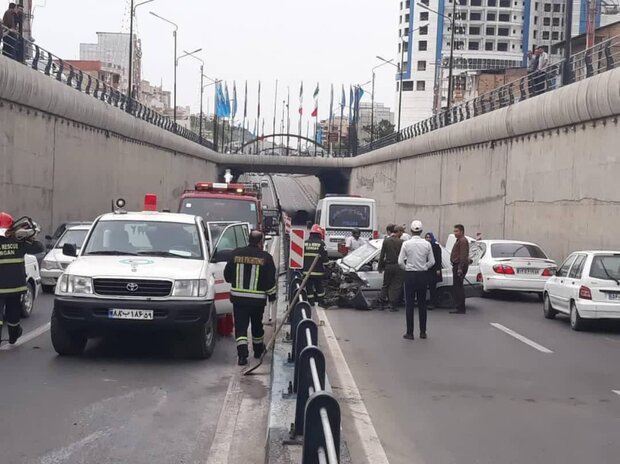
{"type": "Point", "coordinates": [296, 256]}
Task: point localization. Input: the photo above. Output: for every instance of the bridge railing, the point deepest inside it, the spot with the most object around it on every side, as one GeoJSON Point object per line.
{"type": "Point", "coordinates": [600, 58]}
{"type": "Point", "coordinates": [41, 60]}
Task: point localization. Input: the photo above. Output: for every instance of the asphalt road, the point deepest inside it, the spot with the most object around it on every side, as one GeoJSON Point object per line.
{"type": "Point", "coordinates": [473, 394]}
{"type": "Point", "coordinates": [293, 199]}
{"type": "Point", "coordinates": [127, 400]}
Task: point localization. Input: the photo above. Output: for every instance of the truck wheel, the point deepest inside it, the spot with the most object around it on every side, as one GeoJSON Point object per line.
{"type": "Point", "coordinates": [65, 342]}
{"type": "Point", "coordinates": [48, 288]}
{"type": "Point", "coordinates": [28, 300]}
{"type": "Point", "coordinates": [201, 344]}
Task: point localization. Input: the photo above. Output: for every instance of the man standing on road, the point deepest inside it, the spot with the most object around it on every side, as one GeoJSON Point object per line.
{"type": "Point", "coordinates": [460, 263]}
{"type": "Point", "coordinates": [393, 275]}
{"type": "Point", "coordinates": [9, 21]}
{"type": "Point", "coordinates": [355, 241]}
{"type": "Point", "coordinates": [252, 275]}
{"type": "Point", "coordinates": [389, 229]}
{"type": "Point", "coordinates": [416, 258]}
{"type": "Point", "coordinates": [313, 247]}
{"type": "Point", "coordinates": [15, 244]}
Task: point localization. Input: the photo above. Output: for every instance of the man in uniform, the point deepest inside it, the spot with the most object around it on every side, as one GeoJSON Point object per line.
{"type": "Point", "coordinates": [252, 275]}
{"type": "Point", "coordinates": [313, 247]}
{"type": "Point", "coordinates": [15, 243]}
{"type": "Point", "coordinates": [393, 276]}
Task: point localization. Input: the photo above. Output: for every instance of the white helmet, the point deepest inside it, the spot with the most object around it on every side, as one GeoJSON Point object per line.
{"type": "Point", "coordinates": [416, 226]}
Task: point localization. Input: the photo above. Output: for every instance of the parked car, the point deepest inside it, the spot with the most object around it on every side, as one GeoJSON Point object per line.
{"type": "Point", "coordinates": [586, 287]}
{"type": "Point", "coordinates": [33, 280]}
{"type": "Point", "coordinates": [52, 239]}
{"type": "Point", "coordinates": [364, 262]}
{"type": "Point", "coordinates": [512, 265]}
{"type": "Point", "coordinates": [55, 262]}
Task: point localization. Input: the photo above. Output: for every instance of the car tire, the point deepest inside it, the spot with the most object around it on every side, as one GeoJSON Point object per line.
{"type": "Point", "coordinates": [548, 310]}
{"type": "Point", "coordinates": [65, 342]}
{"type": "Point", "coordinates": [576, 322]}
{"type": "Point", "coordinates": [541, 297]}
{"type": "Point", "coordinates": [48, 288]}
{"type": "Point", "coordinates": [28, 300]}
{"type": "Point", "coordinates": [201, 343]}
{"type": "Point", "coordinates": [445, 298]}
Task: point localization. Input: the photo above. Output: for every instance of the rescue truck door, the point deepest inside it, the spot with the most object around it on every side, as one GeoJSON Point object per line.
{"type": "Point", "coordinates": [223, 239]}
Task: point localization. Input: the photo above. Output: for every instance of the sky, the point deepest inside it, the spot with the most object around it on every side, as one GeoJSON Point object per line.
{"type": "Point", "coordinates": [318, 41]}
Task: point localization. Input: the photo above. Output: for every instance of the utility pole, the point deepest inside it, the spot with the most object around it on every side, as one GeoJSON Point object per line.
{"type": "Point", "coordinates": [567, 73]}
{"type": "Point", "coordinates": [451, 63]}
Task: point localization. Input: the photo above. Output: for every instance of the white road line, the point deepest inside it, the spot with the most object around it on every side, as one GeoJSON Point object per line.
{"type": "Point", "coordinates": [615, 340]}
{"type": "Point", "coordinates": [617, 392]}
{"type": "Point", "coordinates": [521, 338]}
{"type": "Point", "coordinates": [362, 423]}
{"type": "Point", "coordinates": [27, 337]}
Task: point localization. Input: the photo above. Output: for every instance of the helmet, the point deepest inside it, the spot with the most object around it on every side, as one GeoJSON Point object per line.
{"type": "Point", "coordinates": [317, 229]}
{"type": "Point", "coordinates": [416, 226]}
{"type": "Point", "coordinates": [6, 221]}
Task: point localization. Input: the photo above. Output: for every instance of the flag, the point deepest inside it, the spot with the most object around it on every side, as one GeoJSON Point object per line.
{"type": "Point", "coordinates": [226, 101]}
{"type": "Point", "coordinates": [350, 104]}
{"type": "Point", "coordinates": [359, 93]}
{"type": "Point", "coordinates": [301, 99]}
{"type": "Point", "coordinates": [343, 103]}
{"type": "Point", "coordinates": [234, 102]}
{"type": "Point", "coordinates": [220, 101]}
{"type": "Point", "coordinates": [245, 101]}
{"type": "Point", "coordinates": [315, 113]}
{"type": "Point", "coordinates": [258, 110]}
{"type": "Point", "coordinates": [331, 107]}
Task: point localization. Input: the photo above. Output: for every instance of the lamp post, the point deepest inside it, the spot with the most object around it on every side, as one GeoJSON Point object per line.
{"type": "Point", "coordinates": [174, 35]}
{"type": "Point", "coordinates": [372, 109]}
{"type": "Point", "coordinates": [400, 86]}
{"type": "Point", "coordinates": [130, 79]}
{"type": "Point", "coordinates": [176, 65]}
{"type": "Point", "coordinates": [202, 76]}
{"type": "Point", "coordinates": [452, 21]}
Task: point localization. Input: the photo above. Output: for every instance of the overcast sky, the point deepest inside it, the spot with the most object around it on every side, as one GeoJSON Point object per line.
{"type": "Point", "coordinates": [325, 41]}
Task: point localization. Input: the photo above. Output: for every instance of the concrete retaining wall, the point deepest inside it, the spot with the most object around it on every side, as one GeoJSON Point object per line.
{"type": "Point", "coordinates": [544, 170]}
{"type": "Point", "coordinates": [65, 155]}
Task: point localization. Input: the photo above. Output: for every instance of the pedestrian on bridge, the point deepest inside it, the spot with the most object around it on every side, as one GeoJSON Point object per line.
{"type": "Point", "coordinates": [9, 21]}
{"type": "Point", "coordinates": [459, 257]}
{"type": "Point", "coordinates": [393, 275]}
{"type": "Point", "coordinates": [252, 275]}
{"type": "Point", "coordinates": [416, 258]}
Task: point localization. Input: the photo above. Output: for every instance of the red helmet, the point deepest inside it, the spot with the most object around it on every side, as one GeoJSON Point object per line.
{"type": "Point", "coordinates": [6, 221]}
{"type": "Point", "coordinates": [317, 229]}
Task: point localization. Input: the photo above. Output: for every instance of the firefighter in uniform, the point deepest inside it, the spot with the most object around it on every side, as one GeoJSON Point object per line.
{"type": "Point", "coordinates": [313, 247]}
{"type": "Point", "coordinates": [16, 241]}
{"type": "Point", "coordinates": [252, 275]}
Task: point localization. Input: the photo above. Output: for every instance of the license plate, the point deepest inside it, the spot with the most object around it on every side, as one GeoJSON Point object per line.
{"type": "Point", "coordinates": [614, 296]}
{"type": "Point", "coordinates": [133, 314]}
{"type": "Point", "coordinates": [337, 240]}
{"type": "Point", "coordinates": [527, 270]}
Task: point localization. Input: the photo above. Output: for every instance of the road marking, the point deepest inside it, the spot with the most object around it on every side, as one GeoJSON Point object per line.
{"type": "Point", "coordinates": [521, 338]}
{"type": "Point", "coordinates": [617, 392]}
{"type": "Point", "coordinates": [27, 337]}
{"type": "Point", "coordinates": [362, 423]}
{"type": "Point", "coordinates": [615, 340]}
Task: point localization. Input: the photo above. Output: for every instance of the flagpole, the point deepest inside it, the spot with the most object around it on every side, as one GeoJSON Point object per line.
{"type": "Point", "coordinates": [301, 112]}
{"type": "Point", "coordinates": [245, 114]}
{"type": "Point", "coordinates": [341, 118]}
{"type": "Point", "coordinates": [215, 121]}
{"type": "Point", "coordinates": [288, 119]}
{"type": "Point", "coordinates": [308, 133]}
{"type": "Point", "coordinates": [258, 117]}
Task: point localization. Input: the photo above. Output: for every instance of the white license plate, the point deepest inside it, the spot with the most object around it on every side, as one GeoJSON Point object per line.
{"type": "Point", "coordinates": [614, 296]}
{"type": "Point", "coordinates": [526, 270]}
{"type": "Point", "coordinates": [133, 314]}
{"type": "Point", "coordinates": [337, 240]}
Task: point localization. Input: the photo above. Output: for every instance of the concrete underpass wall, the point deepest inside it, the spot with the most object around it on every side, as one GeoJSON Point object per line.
{"type": "Point", "coordinates": [65, 155]}
{"type": "Point", "coordinates": [557, 187]}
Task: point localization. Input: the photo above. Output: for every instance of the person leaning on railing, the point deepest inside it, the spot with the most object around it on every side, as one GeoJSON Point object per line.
{"type": "Point", "coordinates": [9, 31]}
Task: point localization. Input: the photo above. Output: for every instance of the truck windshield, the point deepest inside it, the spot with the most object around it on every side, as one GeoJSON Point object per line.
{"type": "Point", "coordinates": [222, 210]}
{"type": "Point", "coordinates": [145, 238]}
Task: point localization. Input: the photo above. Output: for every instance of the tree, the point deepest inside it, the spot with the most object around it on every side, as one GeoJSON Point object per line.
{"type": "Point", "coordinates": [382, 129]}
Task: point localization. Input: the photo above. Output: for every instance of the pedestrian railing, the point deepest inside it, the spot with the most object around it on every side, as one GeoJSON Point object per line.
{"type": "Point", "coordinates": [36, 57]}
{"type": "Point", "coordinates": [317, 412]}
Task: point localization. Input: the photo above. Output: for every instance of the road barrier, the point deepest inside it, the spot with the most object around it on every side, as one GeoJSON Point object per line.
{"type": "Point", "coordinates": [317, 412]}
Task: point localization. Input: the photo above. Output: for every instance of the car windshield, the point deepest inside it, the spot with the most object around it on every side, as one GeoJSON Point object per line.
{"type": "Point", "coordinates": [359, 256]}
{"type": "Point", "coordinates": [349, 216]}
{"type": "Point", "coordinates": [222, 209]}
{"type": "Point", "coordinates": [606, 267]}
{"type": "Point", "coordinates": [75, 237]}
{"type": "Point", "coordinates": [145, 238]}
{"type": "Point", "coordinates": [516, 250]}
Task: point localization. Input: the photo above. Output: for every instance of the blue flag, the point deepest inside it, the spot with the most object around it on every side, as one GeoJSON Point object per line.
{"type": "Point", "coordinates": [350, 104]}
{"type": "Point", "coordinates": [220, 105]}
{"type": "Point", "coordinates": [234, 102]}
{"type": "Point", "coordinates": [226, 101]}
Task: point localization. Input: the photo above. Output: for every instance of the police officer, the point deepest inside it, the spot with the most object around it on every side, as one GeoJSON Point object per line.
{"type": "Point", "coordinates": [252, 275]}
{"type": "Point", "coordinates": [313, 247]}
{"type": "Point", "coordinates": [16, 241]}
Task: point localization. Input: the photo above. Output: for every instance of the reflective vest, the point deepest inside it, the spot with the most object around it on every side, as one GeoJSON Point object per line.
{"type": "Point", "coordinates": [314, 247]}
{"type": "Point", "coordinates": [13, 264]}
{"type": "Point", "coordinates": [251, 273]}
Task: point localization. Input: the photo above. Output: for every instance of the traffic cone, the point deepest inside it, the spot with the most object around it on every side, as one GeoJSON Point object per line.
{"type": "Point", "coordinates": [225, 325]}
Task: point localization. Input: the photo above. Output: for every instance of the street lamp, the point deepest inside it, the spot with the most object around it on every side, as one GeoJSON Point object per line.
{"type": "Point", "coordinates": [130, 80]}
{"type": "Point", "coordinates": [174, 34]}
{"type": "Point", "coordinates": [372, 108]}
{"type": "Point", "coordinates": [400, 86]}
{"type": "Point", "coordinates": [202, 76]}
{"type": "Point", "coordinates": [452, 21]}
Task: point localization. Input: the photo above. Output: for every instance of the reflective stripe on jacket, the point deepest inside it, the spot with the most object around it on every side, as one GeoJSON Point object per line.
{"type": "Point", "coordinates": [13, 264]}
{"type": "Point", "coordinates": [252, 275]}
{"type": "Point", "coordinates": [314, 247]}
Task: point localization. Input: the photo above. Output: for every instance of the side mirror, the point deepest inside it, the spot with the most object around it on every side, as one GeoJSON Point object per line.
{"type": "Point", "coordinates": [69, 249]}
{"type": "Point", "coordinates": [558, 273]}
{"type": "Point", "coordinates": [221, 256]}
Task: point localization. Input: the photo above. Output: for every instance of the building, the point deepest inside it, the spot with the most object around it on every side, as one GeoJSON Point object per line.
{"type": "Point", "coordinates": [381, 113]}
{"type": "Point", "coordinates": [480, 82]}
{"type": "Point", "coordinates": [337, 134]}
{"type": "Point", "coordinates": [488, 35]}
{"type": "Point", "coordinates": [109, 75]}
{"type": "Point", "coordinates": [155, 97]}
{"type": "Point", "coordinates": [112, 50]}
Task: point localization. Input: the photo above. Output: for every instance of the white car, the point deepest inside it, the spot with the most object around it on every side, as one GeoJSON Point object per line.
{"type": "Point", "coordinates": [33, 281]}
{"type": "Point", "coordinates": [55, 262]}
{"type": "Point", "coordinates": [513, 265]}
{"type": "Point", "coordinates": [146, 271]}
{"type": "Point", "coordinates": [586, 287]}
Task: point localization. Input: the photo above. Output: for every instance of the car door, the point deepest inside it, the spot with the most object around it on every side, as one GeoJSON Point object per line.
{"type": "Point", "coordinates": [556, 286]}
{"type": "Point", "coordinates": [573, 281]}
{"type": "Point", "coordinates": [230, 238]}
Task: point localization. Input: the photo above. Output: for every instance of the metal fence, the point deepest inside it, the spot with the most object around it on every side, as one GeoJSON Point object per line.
{"type": "Point", "coordinates": [317, 412]}
{"type": "Point", "coordinates": [32, 55]}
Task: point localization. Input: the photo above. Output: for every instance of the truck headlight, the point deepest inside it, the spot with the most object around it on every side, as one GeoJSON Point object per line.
{"type": "Point", "coordinates": [72, 284]}
{"type": "Point", "coordinates": [190, 288]}
{"type": "Point", "coordinates": [50, 265]}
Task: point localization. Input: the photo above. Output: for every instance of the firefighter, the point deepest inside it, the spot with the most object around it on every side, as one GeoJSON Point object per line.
{"type": "Point", "coordinates": [313, 247]}
{"type": "Point", "coordinates": [252, 275]}
{"type": "Point", "coordinates": [16, 241]}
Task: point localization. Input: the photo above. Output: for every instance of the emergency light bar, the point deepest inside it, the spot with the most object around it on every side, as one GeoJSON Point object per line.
{"type": "Point", "coordinates": [150, 202]}
{"type": "Point", "coordinates": [222, 187]}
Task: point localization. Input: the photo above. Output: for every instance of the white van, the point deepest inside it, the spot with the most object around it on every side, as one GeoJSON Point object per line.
{"type": "Point", "coordinates": [338, 215]}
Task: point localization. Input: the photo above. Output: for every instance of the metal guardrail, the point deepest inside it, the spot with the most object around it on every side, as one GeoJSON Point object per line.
{"type": "Point", "coordinates": [32, 55]}
{"type": "Point", "coordinates": [317, 412]}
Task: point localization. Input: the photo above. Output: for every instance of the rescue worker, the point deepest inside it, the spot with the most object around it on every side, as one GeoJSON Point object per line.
{"type": "Point", "coordinates": [313, 247]}
{"type": "Point", "coordinates": [15, 242]}
{"type": "Point", "coordinates": [393, 276]}
{"type": "Point", "coordinates": [252, 275]}
{"type": "Point", "coordinates": [355, 241]}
